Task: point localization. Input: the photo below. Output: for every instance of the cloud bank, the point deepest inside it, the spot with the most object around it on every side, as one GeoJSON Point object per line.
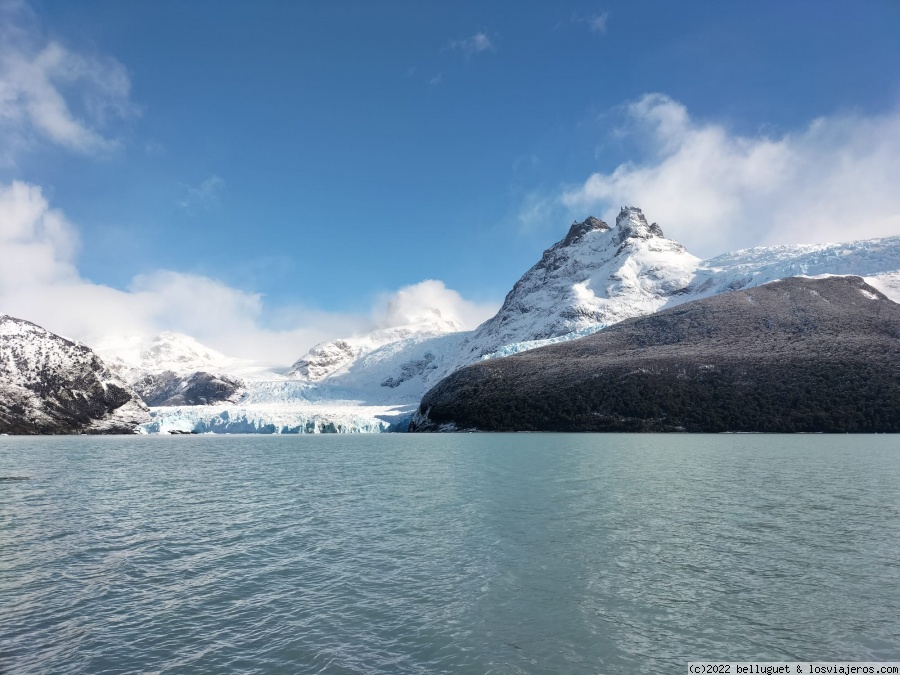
{"type": "Point", "coordinates": [835, 180]}
{"type": "Point", "coordinates": [426, 301]}
{"type": "Point", "coordinates": [40, 282]}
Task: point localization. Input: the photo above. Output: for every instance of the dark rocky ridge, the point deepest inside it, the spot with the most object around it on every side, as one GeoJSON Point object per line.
{"type": "Point", "coordinates": [798, 355]}
{"type": "Point", "coordinates": [50, 385]}
{"type": "Point", "coordinates": [578, 230]}
{"type": "Point", "coordinates": [200, 388]}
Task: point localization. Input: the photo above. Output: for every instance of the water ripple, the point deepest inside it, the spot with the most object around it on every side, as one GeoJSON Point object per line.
{"type": "Point", "coordinates": [445, 554]}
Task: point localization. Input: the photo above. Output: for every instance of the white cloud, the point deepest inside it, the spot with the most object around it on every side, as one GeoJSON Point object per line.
{"type": "Point", "coordinates": [37, 244]}
{"type": "Point", "coordinates": [475, 44]}
{"type": "Point", "coordinates": [42, 83]}
{"type": "Point", "coordinates": [202, 196]}
{"type": "Point", "coordinates": [40, 282]}
{"type": "Point", "coordinates": [835, 180]}
{"type": "Point", "coordinates": [428, 300]}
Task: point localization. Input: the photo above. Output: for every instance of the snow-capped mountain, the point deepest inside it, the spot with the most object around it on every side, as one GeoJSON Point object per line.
{"type": "Point", "coordinates": [175, 369]}
{"type": "Point", "coordinates": [51, 385]}
{"type": "Point", "coordinates": [134, 357]}
{"type": "Point", "coordinates": [566, 293]}
{"type": "Point", "coordinates": [596, 276]}
{"type": "Point", "coordinates": [330, 358]}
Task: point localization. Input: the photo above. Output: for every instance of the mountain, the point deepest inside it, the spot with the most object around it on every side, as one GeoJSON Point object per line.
{"type": "Point", "coordinates": [199, 388]}
{"type": "Point", "coordinates": [599, 275]}
{"type": "Point", "coordinates": [595, 277]}
{"type": "Point", "coordinates": [50, 385]}
{"type": "Point", "coordinates": [330, 358]}
{"type": "Point", "coordinates": [810, 355]}
{"type": "Point", "coordinates": [174, 352]}
{"type": "Point", "coordinates": [175, 369]}
{"type": "Point", "coordinates": [191, 387]}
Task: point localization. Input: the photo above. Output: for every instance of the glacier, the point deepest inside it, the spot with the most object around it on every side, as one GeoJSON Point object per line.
{"type": "Point", "coordinates": [594, 277]}
{"type": "Point", "coordinates": [279, 419]}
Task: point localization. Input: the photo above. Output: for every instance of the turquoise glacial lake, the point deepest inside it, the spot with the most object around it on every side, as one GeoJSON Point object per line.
{"type": "Point", "coordinates": [469, 553]}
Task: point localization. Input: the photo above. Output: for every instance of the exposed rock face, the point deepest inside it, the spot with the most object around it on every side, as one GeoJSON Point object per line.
{"type": "Point", "coordinates": [410, 370]}
{"type": "Point", "coordinates": [170, 389]}
{"type": "Point", "coordinates": [811, 355]}
{"type": "Point", "coordinates": [578, 230]}
{"type": "Point", "coordinates": [50, 385]}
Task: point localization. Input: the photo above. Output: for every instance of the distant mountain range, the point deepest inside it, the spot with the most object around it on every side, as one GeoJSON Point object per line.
{"type": "Point", "coordinates": [596, 276]}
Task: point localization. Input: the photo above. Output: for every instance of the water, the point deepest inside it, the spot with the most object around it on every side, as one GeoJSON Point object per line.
{"type": "Point", "coordinates": [447, 553]}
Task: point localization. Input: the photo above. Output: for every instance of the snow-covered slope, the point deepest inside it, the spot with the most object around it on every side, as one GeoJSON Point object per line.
{"type": "Point", "coordinates": [134, 357]}
{"type": "Point", "coordinates": [751, 267]}
{"type": "Point", "coordinates": [333, 358]}
{"type": "Point", "coordinates": [889, 284]}
{"type": "Point", "coordinates": [51, 385]}
{"type": "Point", "coordinates": [596, 276]}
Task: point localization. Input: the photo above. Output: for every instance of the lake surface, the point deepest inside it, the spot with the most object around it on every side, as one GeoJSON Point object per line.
{"type": "Point", "coordinates": [468, 553]}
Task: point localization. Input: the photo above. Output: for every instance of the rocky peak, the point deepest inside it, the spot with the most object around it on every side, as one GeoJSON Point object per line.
{"type": "Point", "coordinates": [631, 224]}
{"type": "Point", "coordinates": [49, 384]}
{"type": "Point", "coordinates": [578, 230]}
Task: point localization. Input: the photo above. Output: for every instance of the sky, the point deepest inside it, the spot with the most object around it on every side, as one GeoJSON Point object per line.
{"type": "Point", "coordinates": [267, 175]}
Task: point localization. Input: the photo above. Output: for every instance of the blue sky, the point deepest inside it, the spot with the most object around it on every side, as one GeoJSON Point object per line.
{"type": "Point", "coordinates": [316, 157]}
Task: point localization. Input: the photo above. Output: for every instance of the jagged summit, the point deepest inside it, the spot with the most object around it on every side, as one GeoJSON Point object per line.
{"type": "Point", "coordinates": [631, 224]}
{"type": "Point", "coordinates": [578, 230]}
